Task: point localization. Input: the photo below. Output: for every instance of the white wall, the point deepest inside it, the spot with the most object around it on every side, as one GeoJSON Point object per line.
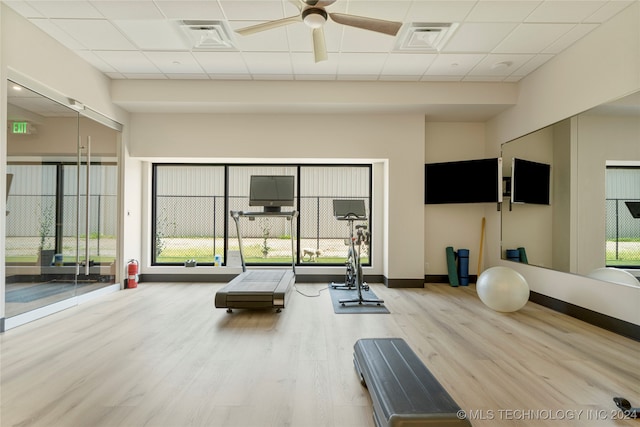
{"type": "Point", "coordinates": [395, 142]}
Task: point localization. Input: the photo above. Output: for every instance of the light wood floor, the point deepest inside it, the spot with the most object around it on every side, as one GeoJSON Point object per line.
{"type": "Point", "coordinates": [162, 355]}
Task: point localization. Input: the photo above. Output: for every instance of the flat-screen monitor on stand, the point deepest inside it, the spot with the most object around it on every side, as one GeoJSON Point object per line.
{"type": "Point", "coordinates": [272, 191]}
{"type": "Point", "coordinates": [349, 209]}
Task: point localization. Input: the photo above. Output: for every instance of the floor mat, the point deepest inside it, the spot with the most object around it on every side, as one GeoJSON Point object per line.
{"type": "Point", "coordinates": [351, 308]}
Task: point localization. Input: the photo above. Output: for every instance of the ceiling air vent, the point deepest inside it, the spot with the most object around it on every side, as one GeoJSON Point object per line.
{"type": "Point", "coordinates": [208, 35]}
{"type": "Point", "coordinates": [424, 36]}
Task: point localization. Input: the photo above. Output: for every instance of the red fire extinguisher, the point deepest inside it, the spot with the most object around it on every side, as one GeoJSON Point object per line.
{"type": "Point", "coordinates": [132, 274]}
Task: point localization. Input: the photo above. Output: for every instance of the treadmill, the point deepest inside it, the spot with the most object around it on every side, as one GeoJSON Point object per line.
{"type": "Point", "coordinates": [262, 288]}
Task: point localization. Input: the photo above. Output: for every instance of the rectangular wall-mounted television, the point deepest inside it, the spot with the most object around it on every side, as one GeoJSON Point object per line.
{"type": "Point", "coordinates": [466, 181]}
{"type": "Point", "coordinates": [530, 182]}
{"type": "Point", "coordinates": [271, 191]}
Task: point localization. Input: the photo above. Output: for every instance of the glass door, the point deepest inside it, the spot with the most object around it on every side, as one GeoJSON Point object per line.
{"type": "Point", "coordinates": [97, 185]}
{"type": "Point", "coordinates": [61, 220]}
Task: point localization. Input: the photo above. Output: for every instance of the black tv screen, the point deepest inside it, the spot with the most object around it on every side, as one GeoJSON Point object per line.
{"type": "Point", "coordinates": [467, 181]}
{"type": "Point", "coordinates": [530, 182]}
{"type": "Point", "coordinates": [271, 191]}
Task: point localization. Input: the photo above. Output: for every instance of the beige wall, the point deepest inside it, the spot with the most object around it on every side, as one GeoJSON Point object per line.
{"type": "Point", "coordinates": [529, 226]}
{"type": "Point", "coordinates": [395, 142]}
{"type": "Point", "coordinates": [456, 225]}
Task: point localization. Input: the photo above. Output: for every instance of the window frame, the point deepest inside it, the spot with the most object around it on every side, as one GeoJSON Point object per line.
{"type": "Point", "coordinates": [228, 223]}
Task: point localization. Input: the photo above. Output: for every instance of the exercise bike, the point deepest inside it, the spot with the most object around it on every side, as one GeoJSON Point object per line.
{"type": "Point", "coordinates": [350, 276]}
{"type": "Point", "coordinates": [354, 210]}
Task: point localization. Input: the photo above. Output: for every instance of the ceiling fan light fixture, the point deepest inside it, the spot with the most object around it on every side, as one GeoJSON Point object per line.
{"type": "Point", "coordinates": [314, 17]}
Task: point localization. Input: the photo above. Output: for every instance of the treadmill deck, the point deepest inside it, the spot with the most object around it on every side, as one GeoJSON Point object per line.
{"type": "Point", "coordinates": [256, 289]}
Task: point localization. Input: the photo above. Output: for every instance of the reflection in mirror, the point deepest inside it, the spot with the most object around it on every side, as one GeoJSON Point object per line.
{"type": "Point", "coordinates": [595, 170]}
{"type": "Point", "coordinates": [61, 214]}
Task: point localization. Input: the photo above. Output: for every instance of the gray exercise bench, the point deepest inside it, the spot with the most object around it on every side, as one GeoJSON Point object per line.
{"type": "Point", "coordinates": [403, 391]}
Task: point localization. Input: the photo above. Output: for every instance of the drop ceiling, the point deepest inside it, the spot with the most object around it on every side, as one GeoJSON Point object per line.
{"type": "Point", "coordinates": [488, 41]}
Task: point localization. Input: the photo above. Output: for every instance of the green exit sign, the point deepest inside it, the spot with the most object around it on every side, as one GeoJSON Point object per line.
{"type": "Point", "coordinates": [20, 127]}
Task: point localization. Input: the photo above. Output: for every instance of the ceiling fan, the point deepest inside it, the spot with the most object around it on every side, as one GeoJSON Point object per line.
{"type": "Point", "coordinates": [314, 15]}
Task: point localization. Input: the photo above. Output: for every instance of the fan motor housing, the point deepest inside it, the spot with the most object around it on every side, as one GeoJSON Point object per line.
{"type": "Point", "coordinates": [314, 17]}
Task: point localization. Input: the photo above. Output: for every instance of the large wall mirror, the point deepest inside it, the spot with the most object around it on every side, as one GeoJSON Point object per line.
{"type": "Point", "coordinates": [594, 183]}
{"type": "Point", "coordinates": [62, 203]}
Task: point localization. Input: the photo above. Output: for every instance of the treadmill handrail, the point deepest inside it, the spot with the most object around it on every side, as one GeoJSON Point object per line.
{"type": "Point", "coordinates": [290, 215]}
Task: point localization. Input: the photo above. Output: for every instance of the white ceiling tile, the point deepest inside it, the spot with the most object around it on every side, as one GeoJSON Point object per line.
{"type": "Point", "coordinates": [23, 8]}
{"type": "Point", "coordinates": [175, 62]}
{"type": "Point", "coordinates": [186, 9]}
{"type": "Point", "coordinates": [532, 65]}
{"type": "Point", "coordinates": [478, 37]}
{"type": "Point", "coordinates": [57, 33]}
{"type": "Point", "coordinates": [391, 10]}
{"type": "Point", "coordinates": [128, 62]}
{"type": "Point", "coordinates": [564, 11]}
{"type": "Point", "coordinates": [454, 64]}
{"type": "Point", "coordinates": [66, 9]}
{"type": "Point", "coordinates": [532, 38]}
{"type": "Point", "coordinates": [365, 64]}
{"type": "Point", "coordinates": [408, 64]}
{"type": "Point", "coordinates": [499, 65]}
{"type": "Point", "coordinates": [570, 38]}
{"type": "Point", "coordinates": [257, 10]}
{"type": "Point", "coordinates": [221, 62]}
{"type": "Point", "coordinates": [608, 11]}
{"type": "Point", "coordinates": [274, 40]}
{"type": "Point", "coordinates": [501, 11]}
{"type": "Point", "coordinates": [153, 34]}
{"type": "Point", "coordinates": [127, 9]}
{"type": "Point", "coordinates": [358, 40]}
{"type": "Point", "coordinates": [440, 11]}
{"type": "Point", "coordinates": [95, 34]}
{"type": "Point", "coordinates": [268, 63]}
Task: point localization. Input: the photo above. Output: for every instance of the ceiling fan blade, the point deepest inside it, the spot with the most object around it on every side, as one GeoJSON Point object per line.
{"type": "Point", "coordinates": [372, 24]}
{"type": "Point", "coordinates": [268, 25]}
{"type": "Point", "coordinates": [319, 45]}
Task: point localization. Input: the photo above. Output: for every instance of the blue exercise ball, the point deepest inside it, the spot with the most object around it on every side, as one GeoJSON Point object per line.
{"type": "Point", "coordinates": [502, 289]}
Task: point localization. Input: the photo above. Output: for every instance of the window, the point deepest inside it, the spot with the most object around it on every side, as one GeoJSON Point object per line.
{"type": "Point", "coordinates": [191, 205]}
{"type": "Point", "coordinates": [188, 213]}
{"type": "Point", "coordinates": [622, 229]}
